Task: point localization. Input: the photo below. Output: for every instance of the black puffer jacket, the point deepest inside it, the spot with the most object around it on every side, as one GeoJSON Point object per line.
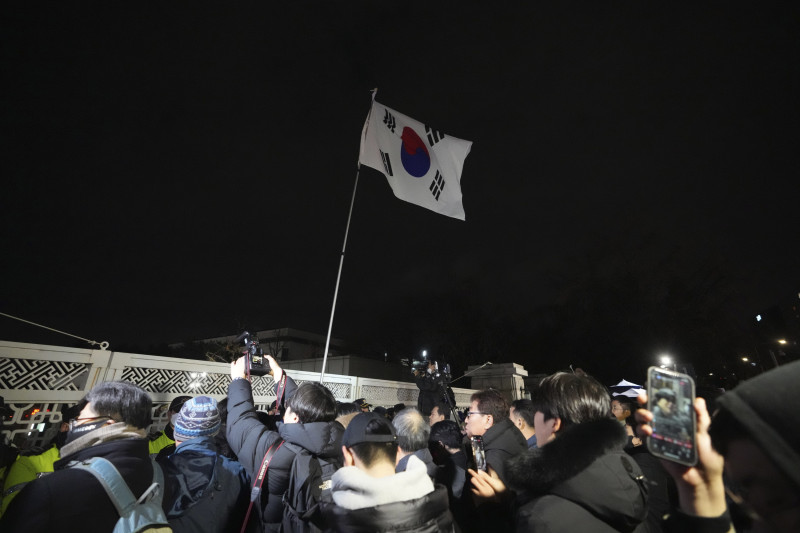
{"type": "Point", "coordinates": [250, 439]}
{"type": "Point", "coordinates": [503, 441]}
{"type": "Point", "coordinates": [581, 481]}
{"type": "Point", "coordinates": [428, 514]}
{"type": "Point", "coordinates": [73, 498]}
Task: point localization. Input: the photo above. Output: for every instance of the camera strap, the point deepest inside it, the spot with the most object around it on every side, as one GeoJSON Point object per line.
{"type": "Point", "coordinates": [279, 390]}
{"type": "Point", "coordinates": [255, 492]}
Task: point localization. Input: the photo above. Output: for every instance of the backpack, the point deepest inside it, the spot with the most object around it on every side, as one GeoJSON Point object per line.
{"type": "Point", "coordinates": [135, 516]}
{"type": "Point", "coordinates": [309, 484]}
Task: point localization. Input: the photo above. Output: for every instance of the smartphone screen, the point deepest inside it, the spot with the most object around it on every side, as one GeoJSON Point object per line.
{"type": "Point", "coordinates": [478, 453]}
{"type": "Point", "coordinates": [670, 397]}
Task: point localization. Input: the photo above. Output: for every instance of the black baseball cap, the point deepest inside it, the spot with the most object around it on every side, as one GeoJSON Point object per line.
{"type": "Point", "coordinates": [356, 430]}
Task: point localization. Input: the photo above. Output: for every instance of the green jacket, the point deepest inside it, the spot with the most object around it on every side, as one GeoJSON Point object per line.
{"type": "Point", "coordinates": [160, 442]}
{"type": "Point", "coordinates": [24, 470]}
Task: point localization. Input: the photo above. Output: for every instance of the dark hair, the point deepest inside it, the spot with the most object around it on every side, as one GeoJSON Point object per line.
{"type": "Point", "coordinates": [443, 409]}
{"type": "Point", "coordinates": [625, 403]}
{"type": "Point", "coordinates": [412, 430]}
{"type": "Point", "coordinates": [370, 453]}
{"type": "Point", "coordinates": [491, 402]}
{"type": "Point", "coordinates": [122, 401]}
{"type": "Point", "coordinates": [313, 402]}
{"type": "Point", "coordinates": [346, 408]}
{"type": "Point", "coordinates": [573, 398]}
{"type": "Point", "coordinates": [447, 432]}
{"type": "Point", "coordinates": [525, 410]}
{"type": "Point", "coordinates": [176, 404]}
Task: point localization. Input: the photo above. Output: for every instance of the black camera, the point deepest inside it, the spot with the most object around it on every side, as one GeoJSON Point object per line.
{"type": "Point", "coordinates": [255, 362]}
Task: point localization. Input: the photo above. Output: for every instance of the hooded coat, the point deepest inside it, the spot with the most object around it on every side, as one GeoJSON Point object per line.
{"type": "Point", "coordinates": [406, 501]}
{"type": "Point", "coordinates": [207, 491]}
{"type": "Point", "coordinates": [250, 440]}
{"type": "Point", "coordinates": [581, 481]}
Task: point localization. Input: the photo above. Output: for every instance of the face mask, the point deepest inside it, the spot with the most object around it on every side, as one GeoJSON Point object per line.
{"type": "Point", "coordinates": [84, 429]}
{"type": "Point", "coordinates": [174, 419]}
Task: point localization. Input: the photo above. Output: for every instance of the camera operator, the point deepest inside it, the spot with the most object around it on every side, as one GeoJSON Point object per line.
{"type": "Point", "coordinates": [429, 388]}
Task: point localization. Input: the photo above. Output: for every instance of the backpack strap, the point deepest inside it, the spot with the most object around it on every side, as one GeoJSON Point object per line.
{"type": "Point", "coordinates": [255, 492]}
{"type": "Point", "coordinates": [111, 480]}
{"type": "Point", "coordinates": [116, 488]}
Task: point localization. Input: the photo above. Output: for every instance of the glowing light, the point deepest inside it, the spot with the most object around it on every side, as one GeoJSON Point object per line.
{"type": "Point", "coordinates": [782, 341]}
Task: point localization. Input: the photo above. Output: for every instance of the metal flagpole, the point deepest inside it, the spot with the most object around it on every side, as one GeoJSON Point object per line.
{"type": "Point", "coordinates": [344, 246]}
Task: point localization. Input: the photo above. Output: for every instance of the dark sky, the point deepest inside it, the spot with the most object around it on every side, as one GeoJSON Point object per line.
{"type": "Point", "coordinates": [186, 171]}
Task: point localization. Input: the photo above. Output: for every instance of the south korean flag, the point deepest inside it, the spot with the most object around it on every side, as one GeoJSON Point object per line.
{"type": "Point", "coordinates": [422, 164]}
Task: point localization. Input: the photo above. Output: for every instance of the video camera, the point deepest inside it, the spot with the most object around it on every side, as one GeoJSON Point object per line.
{"type": "Point", "coordinates": [255, 362]}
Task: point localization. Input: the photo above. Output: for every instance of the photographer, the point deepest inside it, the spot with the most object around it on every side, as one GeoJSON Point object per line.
{"type": "Point", "coordinates": [308, 423]}
{"type": "Point", "coordinates": [429, 387]}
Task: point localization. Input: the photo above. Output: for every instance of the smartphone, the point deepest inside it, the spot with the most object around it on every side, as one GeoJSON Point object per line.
{"type": "Point", "coordinates": [479, 453]}
{"type": "Point", "coordinates": [670, 397]}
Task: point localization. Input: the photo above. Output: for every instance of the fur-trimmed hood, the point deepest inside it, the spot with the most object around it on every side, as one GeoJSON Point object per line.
{"type": "Point", "coordinates": [586, 466]}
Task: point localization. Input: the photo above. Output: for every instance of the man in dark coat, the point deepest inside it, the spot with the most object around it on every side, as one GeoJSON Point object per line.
{"type": "Point", "coordinates": [309, 423]}
{"type": "Point", "coordinates": [429, 388]}
{"type": "Point", "coordinates": [111, 425]}
{"type": "Point", "coordinates": [488, 418]}
{"type": "Point", "coordinates": [578, 478]}
{"type": "Point", "coordinates": [209, 492]}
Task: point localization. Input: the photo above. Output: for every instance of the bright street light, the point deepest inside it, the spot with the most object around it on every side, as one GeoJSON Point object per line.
{"type": "Point", "coordinates": [782, 341]}
{"type": "Point", "coordinates": [745, 359]}
{"type": "Point", "coordinates": [666, 360]}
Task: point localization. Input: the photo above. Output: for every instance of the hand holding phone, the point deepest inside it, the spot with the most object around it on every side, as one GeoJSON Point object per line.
{"type": "Point", "coordinates": [479, 453]}
{"type": "Point", "coordinates": [671, 399]}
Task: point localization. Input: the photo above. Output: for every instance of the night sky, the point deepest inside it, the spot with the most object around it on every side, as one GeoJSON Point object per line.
{"type": "Point", "coordinates": [185, 171]}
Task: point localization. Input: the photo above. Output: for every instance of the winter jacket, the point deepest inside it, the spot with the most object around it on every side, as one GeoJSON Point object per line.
{"type": "Point", "coordinates": [429, 393]}
{"type": "Point", "coordinates": [24, 470]}
{"type": "Point", "coordinates": [161, 440]}
{"type": "Point", "coordinates": [423, 455]}
{"type": "Point", "coordinates": [501, 442]}
{"type": "Point", "coordinates": [406, 501]}
{"type": "Point", "coordinates": [250, 440]}
{"type": "Point", "coordinates": [208, 492]}
{"type": "Point", "coordinates": [581, 481]}
{"type": "Point", "coordinates": [73, 499]}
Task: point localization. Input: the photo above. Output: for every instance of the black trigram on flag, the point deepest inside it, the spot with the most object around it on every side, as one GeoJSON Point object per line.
{"type": "Point", "coordinates": [387, 164]}
{"type": "Point", "coordinates": [434, 136]}
{"type": "Point", "coordinates": [437, 185]}
{"type": "Point", "coordinates": [388, 119]}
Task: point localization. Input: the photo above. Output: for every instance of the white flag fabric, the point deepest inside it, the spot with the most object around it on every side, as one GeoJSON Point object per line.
{"type": "Point", "coordinates": [423, 165]}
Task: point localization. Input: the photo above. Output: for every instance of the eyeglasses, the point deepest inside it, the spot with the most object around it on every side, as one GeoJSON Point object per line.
{"type": "Point", "coordinates": [470, 413]}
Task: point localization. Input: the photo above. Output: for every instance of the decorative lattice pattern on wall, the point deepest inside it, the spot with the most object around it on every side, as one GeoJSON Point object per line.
{"type": "Point", "coordinates": [177, 381]}
{"type": "Point", "coordinates": [389, 396]}
{"type": "Point", "coordinates": [262, 385]}
{"type": "Point", "coordinates": [341, 391]}
{"type": "Point", "coordinates": [34, 374]}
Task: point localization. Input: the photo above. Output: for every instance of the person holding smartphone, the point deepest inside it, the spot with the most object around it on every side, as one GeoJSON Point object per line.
{"type": "Point", "coordinates": [579, 478]}
{"type": "Point", "coordinates": [752, 436]}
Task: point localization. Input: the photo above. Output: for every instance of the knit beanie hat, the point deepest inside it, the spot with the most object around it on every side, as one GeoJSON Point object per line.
{"type": "Point", "coordinates": [766, 406]}
{"type": "Point", "coordinates": [199, 417]}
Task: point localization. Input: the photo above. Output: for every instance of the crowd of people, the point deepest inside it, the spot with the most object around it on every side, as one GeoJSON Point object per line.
{"type": "Point", "coordinates": [572, 458]}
